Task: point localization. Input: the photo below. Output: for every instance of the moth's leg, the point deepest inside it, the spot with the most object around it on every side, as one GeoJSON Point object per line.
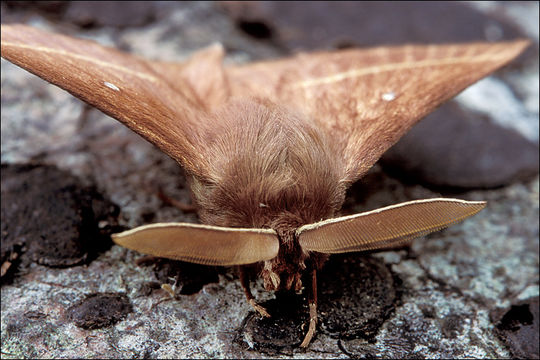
{"type": "Point", "coordinates": [187, 208]}
{"type": "Point", "coordinates": [312, 302]}
{"type": "Point", "coordinates": [244, 280]}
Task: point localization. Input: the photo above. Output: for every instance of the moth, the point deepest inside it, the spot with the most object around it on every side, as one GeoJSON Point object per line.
{"type": "Point", "coordinates": [269, 148]}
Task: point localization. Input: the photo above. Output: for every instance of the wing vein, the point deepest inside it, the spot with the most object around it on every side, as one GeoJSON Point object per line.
{"type": "Point", "coordinates": [355, 73]}
{"type": "Point", "coordinates": [83, 58]}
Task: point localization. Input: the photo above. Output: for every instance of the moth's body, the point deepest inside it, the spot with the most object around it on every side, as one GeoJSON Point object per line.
{"type": "Point", "coordinates": [271, 168]}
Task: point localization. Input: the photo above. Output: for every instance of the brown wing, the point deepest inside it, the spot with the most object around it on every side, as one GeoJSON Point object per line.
{"type": "Point", "coordinates": [391, 226]}
{"type": "Point", "coordinates": [368, 98]}
{"type": "Point", "coordinates": [203, 72]}
{"type": "Point", "coordinates": [121, 85]}
{"type": "Point", "coordinates": [202, 244]}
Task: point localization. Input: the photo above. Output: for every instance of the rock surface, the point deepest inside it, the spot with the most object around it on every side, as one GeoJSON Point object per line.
{"type": "Point", "coordinates": [100, 310]}
{"type": "Point", "coordinates": [50, 219]}
{"type": "Point", "coordinates": [454, 148]}
{"type": "Point", "coordinates": [445, 296]}
{"type": "Point", "coordinates": [518, 328]}
{"type": "Point", "coordinates": [342, 23]}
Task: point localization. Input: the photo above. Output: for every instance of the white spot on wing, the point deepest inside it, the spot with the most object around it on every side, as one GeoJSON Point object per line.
{"type": "Point", "coordinates": [389, 96]}
{"type": "Point", "coordinates": [111, 86]}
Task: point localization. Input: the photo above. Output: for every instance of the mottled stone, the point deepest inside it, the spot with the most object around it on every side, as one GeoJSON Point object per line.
{"type": "Point", "coordinates": [99, 310]}
{"type": "Point", "coordinates": [357, 294]}
{"type": "Point", "coordinates": [49, 218]}
{"type": "Point", "coordinates": [518, 326]}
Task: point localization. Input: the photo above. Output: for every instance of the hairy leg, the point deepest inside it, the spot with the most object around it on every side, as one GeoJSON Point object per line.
{"type": "Point", "coordinates": [187, 208]}
{"type": "Point", "coordinates": [244, 280]}
{"type": "Point", "coordinates": [312, 302]}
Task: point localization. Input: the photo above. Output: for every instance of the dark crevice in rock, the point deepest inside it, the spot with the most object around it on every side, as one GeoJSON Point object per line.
{"type": "Point", "coordinates": [518, 328]}
{"type": "Point", "coordinates": [517, 316]}
{"type": "Point", "coordinates": [256, 29]}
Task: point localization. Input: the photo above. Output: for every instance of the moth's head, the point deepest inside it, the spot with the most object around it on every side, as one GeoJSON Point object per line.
{"type": "Point", "coordinates": [284, 272]}
{"type": "Point", "coordinates": [267, 166]}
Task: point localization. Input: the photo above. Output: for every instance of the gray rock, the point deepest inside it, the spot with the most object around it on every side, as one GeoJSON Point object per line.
{"type": "Point", "coordinates": [455, 148]}
{"type": "Point", "coordinates": [331, 24]}
{"type": "Point", "coordinates": [111, 13]}
{"type": "Point", "coordinates": [50, 219]}
{"type": "Point", "coordinates": [518, 327]}
{"type": "Point", "coordinates": [100, 310]}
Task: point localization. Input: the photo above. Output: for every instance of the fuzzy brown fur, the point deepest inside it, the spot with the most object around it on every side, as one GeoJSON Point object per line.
{"type": "Point", "coordinates": [269, 168]}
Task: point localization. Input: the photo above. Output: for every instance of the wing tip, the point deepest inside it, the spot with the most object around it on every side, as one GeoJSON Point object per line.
{"type": "Point", "coordinates": [522, 43]}
{"type": "Point", "coordinates": [121, 238]}
{"type": "Point", "coordinates": [516, 48]}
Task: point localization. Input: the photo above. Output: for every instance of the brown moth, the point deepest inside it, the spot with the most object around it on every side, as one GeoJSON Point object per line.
{"type": "Point", "coordinates": [270, 147]}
